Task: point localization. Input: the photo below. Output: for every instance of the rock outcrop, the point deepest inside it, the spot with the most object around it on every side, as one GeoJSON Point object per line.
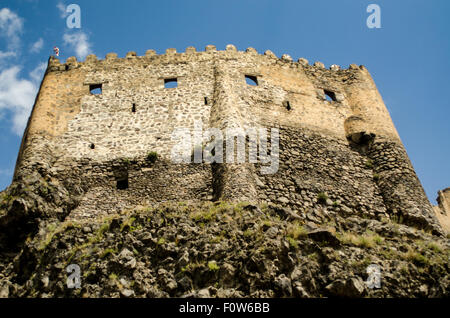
{"type": "Point", "coordinates": [225, 250]}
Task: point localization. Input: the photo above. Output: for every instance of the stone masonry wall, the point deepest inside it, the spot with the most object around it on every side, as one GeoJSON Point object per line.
{"type": "Point", "coordinates": [442, 210]}
{"type": "Point", "coordinates": [312, 165]}
{"type": "Point", "coordinates": [341, 155]}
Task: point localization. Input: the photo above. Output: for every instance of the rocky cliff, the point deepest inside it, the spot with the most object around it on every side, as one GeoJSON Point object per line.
{"type": "Point", "coordinates": [221, 250]}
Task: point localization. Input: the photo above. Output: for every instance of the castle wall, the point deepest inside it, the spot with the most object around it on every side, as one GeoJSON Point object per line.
{"type": "Point", "coordinates": [444, 201]}
{"type": "Point", "coordinates": [347, 147]}
{"type": "Point", "coordinates": [313, 165]}
{"type": "Point", "coordinates": [442, 210]}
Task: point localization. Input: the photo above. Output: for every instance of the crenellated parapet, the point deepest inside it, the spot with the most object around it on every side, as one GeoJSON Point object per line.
{"type": "Point", "coordinates": [56, 65]}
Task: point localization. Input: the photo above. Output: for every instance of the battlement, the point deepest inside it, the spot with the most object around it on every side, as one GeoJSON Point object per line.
{"type": "Point", "coordinates": [71, 62]}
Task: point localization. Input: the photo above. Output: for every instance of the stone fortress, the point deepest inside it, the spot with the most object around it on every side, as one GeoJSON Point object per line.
{"type": "Point", "coordinates": [100, 133]}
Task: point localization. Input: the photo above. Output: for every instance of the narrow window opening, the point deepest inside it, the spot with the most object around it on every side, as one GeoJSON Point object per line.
{"type": "Point", "coordinates": [170, 83]}
{"type": "Point", "coordinates": [251, 80]}
{"type": "Point", "coordinates": [206, 100]}
{"type": "Point", "coordinates": [122, 183]}
{"type": "Point", "coordinates": [92, 146]}
{"type": "Point", "coordinates": [330, 96]}
{"type": "Point", "coordinates": [133, 108]}
{"type": "Point", "coordinates": [287, 105]}
{"type": "Point", "coordinates": [95, 89]}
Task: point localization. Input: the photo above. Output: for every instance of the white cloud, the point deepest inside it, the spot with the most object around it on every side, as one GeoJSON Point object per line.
{"type": "Point", "coordinates": [17, 95]}
{"type": "Point", "coordinates": [10, 28]}
{"type": "Point", "coordinates": [4, 55]}
{"type": "Point", "coordinates": [37, 46]}
{"type": "Point", "coordinates": [37, 74]}
{"type": "Point", "coordinates": [17, 92]}
{"type": "Point", "coordinates": [62, 9]}
{"type": "Point", "coordinates": [79, 42]}
{"type": "Point", "coordinates": [7, 54]}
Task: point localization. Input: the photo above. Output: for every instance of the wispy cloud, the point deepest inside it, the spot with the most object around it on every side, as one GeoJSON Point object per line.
{"type": "Point", "coordinates": [5, 55]}
{"type": "Point", "coordinates": [17, 92]}
{"type": "Point", "coordinates": [37, 46]}
{"type": "Point", "coordinates": [17, 95]}
{"type": "Point", "coordinates": [62, 9]}
{"type": "Point", "coordinates": [11, 26]}
{"type": "Point", "coordinates": [79, 42]}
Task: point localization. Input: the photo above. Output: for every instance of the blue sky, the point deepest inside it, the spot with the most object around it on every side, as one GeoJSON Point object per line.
{"type": "Point", "coordinates": [408, 57]}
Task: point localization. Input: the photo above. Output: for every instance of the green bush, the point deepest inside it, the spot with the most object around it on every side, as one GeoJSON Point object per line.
{"type": "Point", "coordinates": [322, 197]}
{"type": "Point", "coordinates": [417, 258]}
{"type": "Point", "coordinates": [152, 156]}
{"type": "Point", "coordinates": [108, 251]}
{"type": "Point", "coordinates": [292, 242]}
{"type": "Point", "coordinates": [296, 230]}
{"type": "Point", "coordinates": [161, 241]}
{"type": "Point", "coordinates": [213, 267]}
{"type": "Point", "coordinates": [367, 240]}
{"type": "Point", "coordinates": [369, 164]}
{"type": "Point", "coordinates": [435, 247]}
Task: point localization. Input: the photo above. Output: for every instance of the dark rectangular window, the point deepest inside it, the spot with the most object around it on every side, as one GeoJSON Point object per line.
{"type": "Point", "coordinates": [122, 183]}
{"type": "Point", "coordinates": [95, 89]}
{"type": "Point", "coordinates": [251, 80]}
{"type": "Point", "coordinates": [330, 96]}
{"type": "Point", "coordinates": [287, 105]}
{"type": "Point", "coordinates": [170, 83]}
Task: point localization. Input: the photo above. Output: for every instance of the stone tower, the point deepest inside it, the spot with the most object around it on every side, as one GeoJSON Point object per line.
{"type": "Point", "coordinates": [339, 151]}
